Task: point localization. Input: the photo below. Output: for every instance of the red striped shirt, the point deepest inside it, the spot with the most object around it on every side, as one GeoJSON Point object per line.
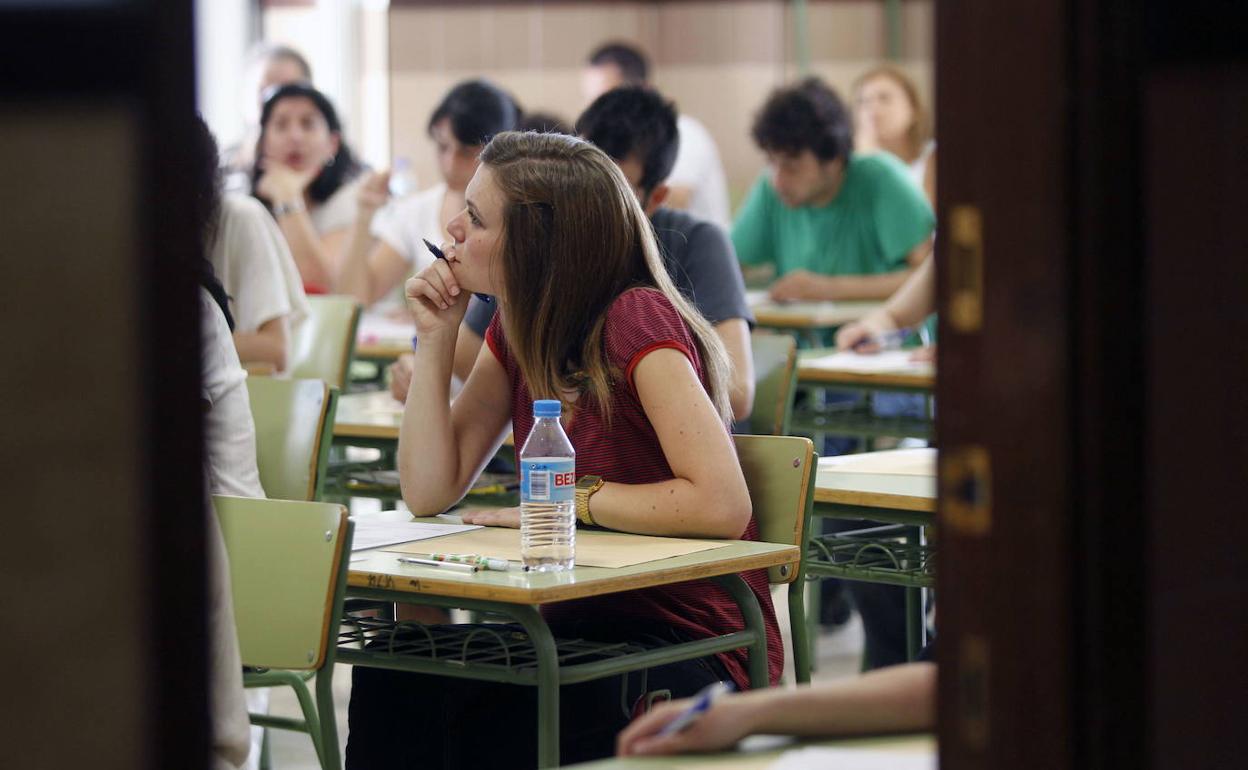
{"type": "Point", "coordinates": [639, 322]}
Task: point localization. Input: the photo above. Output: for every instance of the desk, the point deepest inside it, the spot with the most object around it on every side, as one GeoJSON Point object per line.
{"type": "Point", "coordinates": [760, 753]}
{"type": "Point", "coordinates": [541, 660]}
{"type": "Point", "coordinates": [857, 418]}
{"type": "Point", "coordinates": [808, 319]}
{"type": "Point", "coordinates": [382, 338]}
{"type": "Point", "coordinates": [897, 487]}
{"type": "Point", "coordinates": [371, 419]}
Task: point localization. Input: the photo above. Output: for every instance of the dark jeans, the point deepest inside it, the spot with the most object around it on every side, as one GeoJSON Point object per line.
{"type": "Point", "coordinates": [400, 720]}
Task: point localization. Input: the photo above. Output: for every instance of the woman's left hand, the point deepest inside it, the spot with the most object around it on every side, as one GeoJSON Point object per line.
{"type": "Point", "coordinates": [493, 517]}
{"type": "Point", "coordinates": [280, 183]}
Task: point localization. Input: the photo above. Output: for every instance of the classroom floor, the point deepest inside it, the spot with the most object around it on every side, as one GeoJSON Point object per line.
{"type": "Point", "coordinates": [838, 656]}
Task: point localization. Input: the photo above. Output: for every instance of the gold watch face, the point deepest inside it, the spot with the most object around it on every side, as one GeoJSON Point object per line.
{"type": "Point", "coordinates": [588, 482]}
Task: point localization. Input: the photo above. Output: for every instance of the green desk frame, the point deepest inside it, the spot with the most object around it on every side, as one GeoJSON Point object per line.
{"type": "Point", "coordinates": [537, 658]}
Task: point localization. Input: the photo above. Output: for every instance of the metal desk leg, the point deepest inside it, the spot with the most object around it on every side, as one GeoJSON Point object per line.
{"type": "Point", "coordinates": [802, 651]}
{"type": "Point", "coordinates": [331, 755]}
{"type": "Point", "coordinates": [547, 683]}
{"type": "Point", "coordinates": [914, 604]}
{"type": "Point", "coordinates": [752, 614]}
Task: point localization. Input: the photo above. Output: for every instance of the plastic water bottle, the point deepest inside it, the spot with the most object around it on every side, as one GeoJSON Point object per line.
{"type": "Point", "coordinates": [547, 493]}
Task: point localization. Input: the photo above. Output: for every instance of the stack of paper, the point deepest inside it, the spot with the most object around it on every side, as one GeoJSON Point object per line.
{"type": "Point", "coordinates": [869, 363]}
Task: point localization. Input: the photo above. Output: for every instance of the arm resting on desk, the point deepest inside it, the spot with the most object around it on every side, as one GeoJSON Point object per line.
{"type": "Point", "coordinates": [895, 699]}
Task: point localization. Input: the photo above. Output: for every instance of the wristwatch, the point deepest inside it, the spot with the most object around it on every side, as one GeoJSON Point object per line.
{"type": "Point", "coordinates": [586, 486]}
{"type": "Point", "coordinates": [282, 209]}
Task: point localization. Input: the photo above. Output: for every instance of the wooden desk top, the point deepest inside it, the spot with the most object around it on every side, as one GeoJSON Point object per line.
{"type": "Point", "coordinates": [806, 315]}
{"type": "Point", "coordinates": [381, 569]}
{"type": "Point", "coordinates": [762, 752]}
{"type": "Point", "coordinates": [374, 414]}
{"type": "Point", "coordinates": [898, 479]}
{"type": "Point", "coordinates": [906, 375]}
{"type": "Point", "coordinates": [382, 350]}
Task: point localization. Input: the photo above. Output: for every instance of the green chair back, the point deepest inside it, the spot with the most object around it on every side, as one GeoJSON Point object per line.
{"type": "Point", "coordinates": [324, 344]}
{"type": "Point", "coordinates": [775, 383]}
{"type": "Point", "coordinates": [288, 566]}
{"type": "Point", "coordinates": [780, 473]}
{"type": "Point", "coordinates": [294, 428]}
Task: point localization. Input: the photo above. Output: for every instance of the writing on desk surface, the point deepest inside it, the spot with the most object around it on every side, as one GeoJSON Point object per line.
{"type": "Point", "coordinates": [380, 581]}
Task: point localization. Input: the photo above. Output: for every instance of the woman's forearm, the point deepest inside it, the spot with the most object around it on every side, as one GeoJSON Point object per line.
{"type": "Point", "coordinates": [893, 699]}
{"type": "Point", "coordinates": [305, 246]}
{"type": "Point", "coordinates": [676, 508]}
{"type": "Point", "coordinates": [354, 277]}
{"type": "Point", "coordinates": [428, 456]}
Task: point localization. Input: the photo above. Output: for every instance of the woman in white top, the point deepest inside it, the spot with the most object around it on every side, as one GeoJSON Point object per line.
{"type": "Point", "coordinates": [889, 116]}
{"type": "Point", "coordinates": [308, 177]}
{"type": "Point", "coordinates": [469, 116]}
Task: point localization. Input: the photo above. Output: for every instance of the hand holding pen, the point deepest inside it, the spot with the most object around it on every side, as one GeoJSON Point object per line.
{"type": "Point", "coordinates": [871, 335]}
{"type": "Point", "coordinates": [694, 724]}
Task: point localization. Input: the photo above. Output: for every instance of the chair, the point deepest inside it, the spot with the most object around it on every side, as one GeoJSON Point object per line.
{"type": "Point", "coordinates": [780, 474]}
{"type": "Point", "coordinates": [775, 383]}
{"type": "Point", "coordinates": [324, 344]}
{"type": "Point", "coordinates": [288, 573]}
{"type": "Point", "coordinates": [294, 429]}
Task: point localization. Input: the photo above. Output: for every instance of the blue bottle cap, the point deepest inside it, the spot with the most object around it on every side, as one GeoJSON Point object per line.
{"type": "Point", "coordinates": [546, 407]}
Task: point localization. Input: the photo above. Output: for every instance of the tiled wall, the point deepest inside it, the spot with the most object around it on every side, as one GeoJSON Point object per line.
{"type": "Point", "coordinates": [716, 58]}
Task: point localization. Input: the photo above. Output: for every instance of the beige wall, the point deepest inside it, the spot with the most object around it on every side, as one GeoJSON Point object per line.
{"type": "Point", "coordinates": [716, 58]}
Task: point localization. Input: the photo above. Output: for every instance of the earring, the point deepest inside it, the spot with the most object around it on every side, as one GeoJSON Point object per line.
{"type": "Point", "coordinates": [329, 162]}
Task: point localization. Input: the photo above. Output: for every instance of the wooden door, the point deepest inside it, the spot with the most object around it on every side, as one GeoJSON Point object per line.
{"type": "Point", "coordinates": [1093, 608]}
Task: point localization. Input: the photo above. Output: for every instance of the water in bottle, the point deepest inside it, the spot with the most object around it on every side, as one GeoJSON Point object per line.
{"type": "Point", "coordinates": [547, 493]}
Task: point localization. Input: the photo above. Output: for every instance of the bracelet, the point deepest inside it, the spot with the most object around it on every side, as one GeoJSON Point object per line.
{"type": "Point", "coordinates": [282, 209]}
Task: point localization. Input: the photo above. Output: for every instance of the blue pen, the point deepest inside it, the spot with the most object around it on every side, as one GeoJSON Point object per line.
{"type": "Point", "coordinates": [435, 251]}
{"type": "Point", "coordinates": [701, 704]}
{"type": "Point", "coordinates": [891, 340]}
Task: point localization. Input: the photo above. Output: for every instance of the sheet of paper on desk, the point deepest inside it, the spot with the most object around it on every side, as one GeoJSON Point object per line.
{"type": "Point", "coordinates": [376, 327]}
{"type": "Point", "coordinates": [593, 549]}
{"type": "Point", "coordinates": [370, 533]}
{"type": "Point", "coordinates": [814, 757]}
{"type": "Point", "coordinates": [918, 461]}
{"type": "Point", "coordinates": [868, 363]}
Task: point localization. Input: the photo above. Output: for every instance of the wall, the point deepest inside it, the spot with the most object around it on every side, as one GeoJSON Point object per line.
{"type": "Point", "coordinates": [716, 59]}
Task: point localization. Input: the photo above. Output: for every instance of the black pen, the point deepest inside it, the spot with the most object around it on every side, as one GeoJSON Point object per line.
{"type": "Point", "coordinates": [438, 253]}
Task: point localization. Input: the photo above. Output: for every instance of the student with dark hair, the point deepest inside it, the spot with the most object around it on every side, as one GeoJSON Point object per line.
{"type": "Point", "coordinates": [637, 127]}
{"type": "Point", "coordinates": [261, 291]}
{"type": "Point", "coordinates": [307, 176]}
{"type": "Point", "coordinates": [697, 183]}
{"type": "Point", "coordinates": [835, 225]}
{"type": "Point", "coordinates": [229, 462]}
{"type": "Point", "coordinates": [386, 243]}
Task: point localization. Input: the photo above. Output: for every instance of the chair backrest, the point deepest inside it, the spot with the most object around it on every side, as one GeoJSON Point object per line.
{"type": "Point", "coordinates": [288, 574]}
{"type": "Point", "coordinates": [775, 383]}
{"type": "Point", "coordinates": [324, 343]}
{"type": "Point", "coordinates": [294, 428]}
{"type": "Point", "coordinates": [780, 473]}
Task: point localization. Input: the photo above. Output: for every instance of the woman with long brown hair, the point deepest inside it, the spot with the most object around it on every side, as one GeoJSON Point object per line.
{"type": "Point", "coordinates": [889, 115]}
{"type": "Point", "coordinates": [588, 316]}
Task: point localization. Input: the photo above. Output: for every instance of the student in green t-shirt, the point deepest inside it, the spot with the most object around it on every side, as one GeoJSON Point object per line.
{"type": "Point", "coordinates": [835, 225]}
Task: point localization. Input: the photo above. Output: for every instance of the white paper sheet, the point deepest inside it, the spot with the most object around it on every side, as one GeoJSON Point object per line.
{"type": "Point", "coordinates": [372, 533]}
{"type": "Point", "coordinates": [814, 757]}
{"type": "Point", "coordinates": [377, 327]}
{"type": "Point", "coordinates": [885, 361]}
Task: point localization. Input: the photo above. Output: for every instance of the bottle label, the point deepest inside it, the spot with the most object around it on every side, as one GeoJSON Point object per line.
{"type": "Point", "coordinates": [548, 479]}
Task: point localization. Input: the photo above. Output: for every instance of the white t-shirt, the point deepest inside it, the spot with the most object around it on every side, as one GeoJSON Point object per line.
{"type": "Point", "coordinates": [698, 167]}
{"type": "Point", "coordinates": [229, 432]}
{"type": "Point", "coordinates": [404, 222]}
{"type": "Point", "coordinates": [253, 262]}
{"type": "Point", "coordinates": [918, 169]}
{"type": "Point", "coordinates": [339, 210]}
